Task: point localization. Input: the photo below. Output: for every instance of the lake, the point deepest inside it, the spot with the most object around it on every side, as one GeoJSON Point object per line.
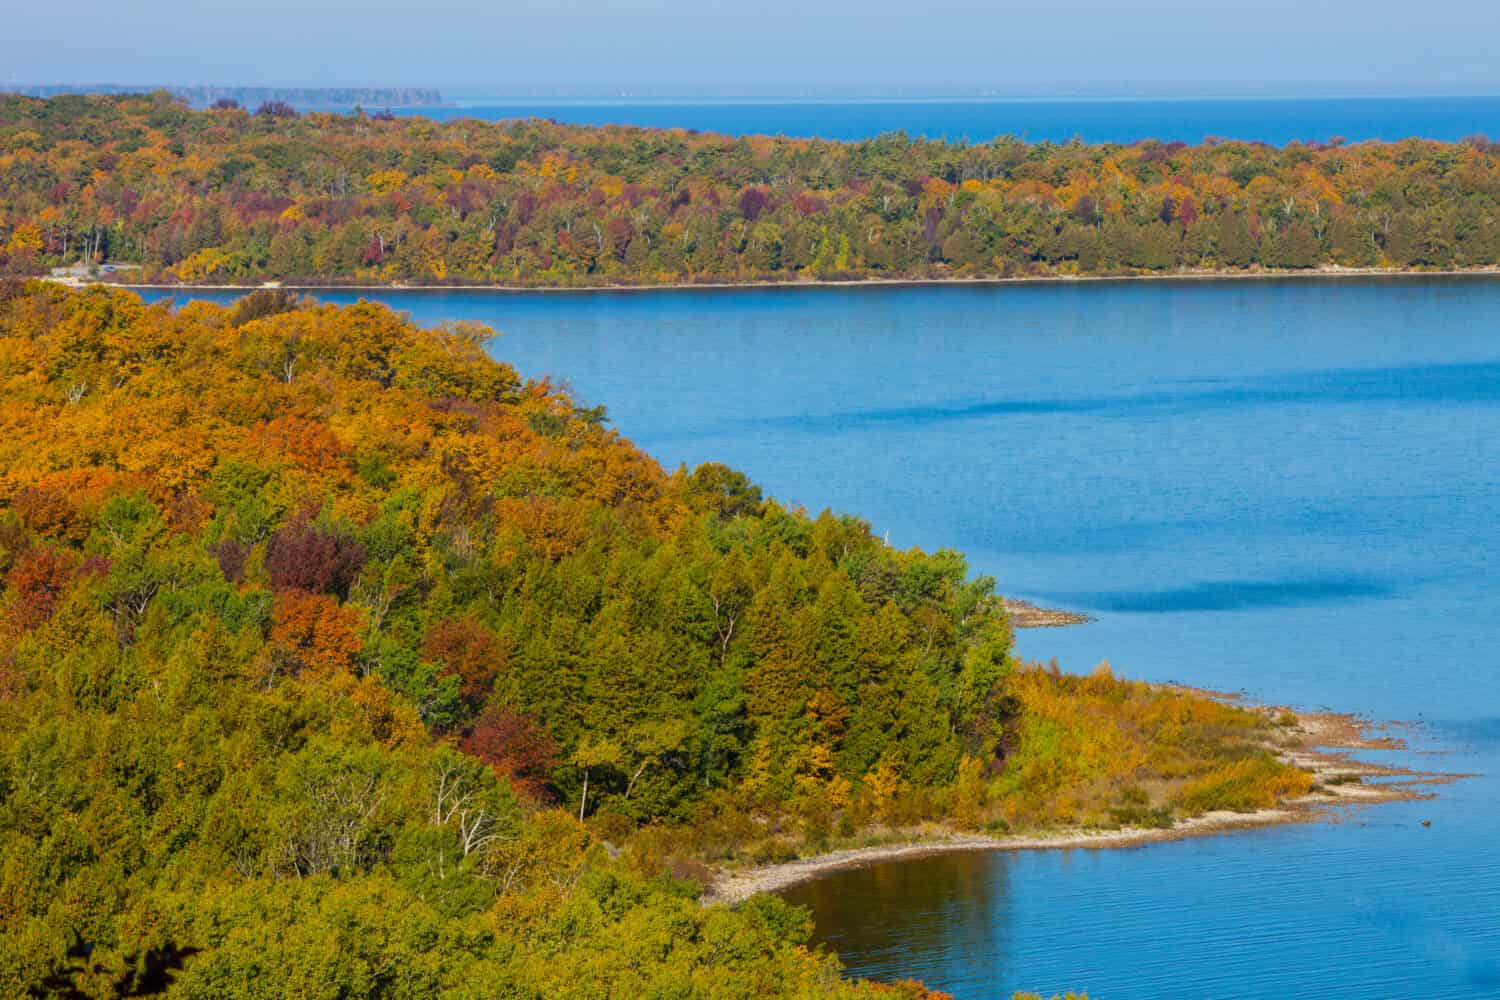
{"type": "Point", "coordinates": [1290, 488]}
{"type": "Point", "coordinates": [1273, 120]}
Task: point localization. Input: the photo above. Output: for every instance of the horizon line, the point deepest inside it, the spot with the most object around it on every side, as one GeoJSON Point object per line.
{"type": "Point", "coordinates": [470, 93]}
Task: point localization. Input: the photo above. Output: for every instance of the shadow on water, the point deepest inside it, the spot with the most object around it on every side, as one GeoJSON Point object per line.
{"type": "Point", "coordinates": [1449, 385]}
{"type": "Point", "coordinates": [1230, 595]}
{"type": "Point", "coordinates": [947, 909]}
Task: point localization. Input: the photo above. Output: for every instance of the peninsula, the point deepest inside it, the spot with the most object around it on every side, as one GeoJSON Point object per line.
{"type": "Point", "coordinates": [306, 610]}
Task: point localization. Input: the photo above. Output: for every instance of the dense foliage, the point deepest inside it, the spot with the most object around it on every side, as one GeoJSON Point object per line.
{"type": "Point", "coordinates": [225, 196]}
{"type": "Point", "coordinates": [336, 659]}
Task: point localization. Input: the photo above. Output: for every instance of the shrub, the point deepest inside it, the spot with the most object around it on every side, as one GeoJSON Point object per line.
{"type": "Point", "coordinates": [1257, 782]}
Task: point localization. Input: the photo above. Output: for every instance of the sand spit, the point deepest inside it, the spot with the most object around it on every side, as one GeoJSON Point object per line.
{"type": "Point", "coordinates": [1023, 614]}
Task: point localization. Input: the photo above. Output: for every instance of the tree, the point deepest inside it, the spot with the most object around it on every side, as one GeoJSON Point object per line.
{"type": "Point", "coordinates": [753, 201]}
{"type": "Point", "coordinates": [466, 799]}
{"type": "Point", "coordinates": [590, 755]}
{"type": "Point", "coordinates": [517, 748]}
{"type": "Point", "coordinates": [34, 586]}
{"type": "Point", "coordinates": [469, 651]}
{"type": "Point", "coordinates": [313, 632]}
{"type": "Point", "coordinates": [263, 302]}
{"type": "Point", "coordinates": [334, 796]}
{"type": "Point", "coordinates": [276, 109]}
{"type": "Point", "coordinates": [305, 555]}
{"type": "Point", "coordinates": [1234, 246]}
{"type": "Point", "coordinates": [646, 743]}
{"type": "Point", "coordinates": [1295, 246]}
{"type": "Point", "coordinates": [25, 239]}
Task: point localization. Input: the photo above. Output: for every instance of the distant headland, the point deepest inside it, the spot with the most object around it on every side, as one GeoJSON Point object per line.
{"type": "Point", "coordinates": [247, 194]}
{"type": "Point", "coordinates": [204, 95]}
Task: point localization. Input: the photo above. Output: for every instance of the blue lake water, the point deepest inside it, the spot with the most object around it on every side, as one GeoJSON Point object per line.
{"type": "Point", "coordinates": [1290, 488]}
{"type": "Point", "coordinates": [1276, 121]}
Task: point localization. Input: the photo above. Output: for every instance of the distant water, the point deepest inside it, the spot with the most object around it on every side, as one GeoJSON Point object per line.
{"type": "Point", "coordinates": [1277, 121]}
{"type": "Point", "coordinates": [1287, 487]}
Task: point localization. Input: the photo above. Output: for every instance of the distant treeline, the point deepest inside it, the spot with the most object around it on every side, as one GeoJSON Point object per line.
{"type": "Point", "coordinates": [232, 196]}
{"type": "Point", "coordinates": [206, 96]}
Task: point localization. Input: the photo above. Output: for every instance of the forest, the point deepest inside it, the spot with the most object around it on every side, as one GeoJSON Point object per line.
{"type": "Point", "coordinates": [337, 659]}
{"type": "Point", "coordinates": [229, 196]}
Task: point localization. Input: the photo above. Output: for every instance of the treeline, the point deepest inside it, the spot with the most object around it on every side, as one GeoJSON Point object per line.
{"type": "Point", "coordinates": [208, 95]}
{"type": "Point", "coordinates": [229, 196]}
{"type": "Point", "coordinates": [336, 659]}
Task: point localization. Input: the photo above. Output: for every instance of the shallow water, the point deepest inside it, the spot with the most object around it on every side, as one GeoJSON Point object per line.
{"type": "Point", "coordinates": [1274, 120]}
{"type": "Point", "coordinates": [1283, 487]}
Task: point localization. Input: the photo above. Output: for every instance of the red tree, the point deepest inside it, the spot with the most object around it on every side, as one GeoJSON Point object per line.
{"type": "Point", "coordinates": [304, 555]}
{"type": "Point", "coordinates": [754, 201]}
{"type": "Point", "coordinates": [464, 647]}
{"type": "Point", "coordinates": [35, 583]}
{"type": "Point", "coordinates": [516, 747]}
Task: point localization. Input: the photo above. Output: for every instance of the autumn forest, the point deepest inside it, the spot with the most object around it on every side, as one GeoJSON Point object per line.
{"type": "Point", "coordinates": [230, 196]}
{"type": "Point", "coordinates": [337, 659]}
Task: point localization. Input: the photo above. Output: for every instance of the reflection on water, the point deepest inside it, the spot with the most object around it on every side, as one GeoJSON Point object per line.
{"type": "Point", "coordinates": [1296, 912]}
{"type": "Point", "coordinates": [947, 904]}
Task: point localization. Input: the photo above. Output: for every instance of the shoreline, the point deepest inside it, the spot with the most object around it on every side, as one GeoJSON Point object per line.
{"type": "Point", "coordinates": [803, 283]}
{"type": "Point", "coordinates": [1322, 743]}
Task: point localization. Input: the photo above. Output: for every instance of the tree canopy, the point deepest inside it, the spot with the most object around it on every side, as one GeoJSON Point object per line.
{"type": "Point", "coordinates": [224, 195]}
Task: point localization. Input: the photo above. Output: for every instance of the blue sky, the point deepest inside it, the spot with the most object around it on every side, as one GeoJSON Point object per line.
{"type": "Point", "coordinates": [708, 47]}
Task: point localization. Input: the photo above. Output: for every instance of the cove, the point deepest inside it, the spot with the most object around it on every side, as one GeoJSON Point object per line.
{"type": "Point", "coordinates": [1287, 488]}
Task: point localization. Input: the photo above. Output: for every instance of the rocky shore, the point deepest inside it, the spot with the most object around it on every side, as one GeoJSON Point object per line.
{"type": "Point", "coordinates": [1023, 614]}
